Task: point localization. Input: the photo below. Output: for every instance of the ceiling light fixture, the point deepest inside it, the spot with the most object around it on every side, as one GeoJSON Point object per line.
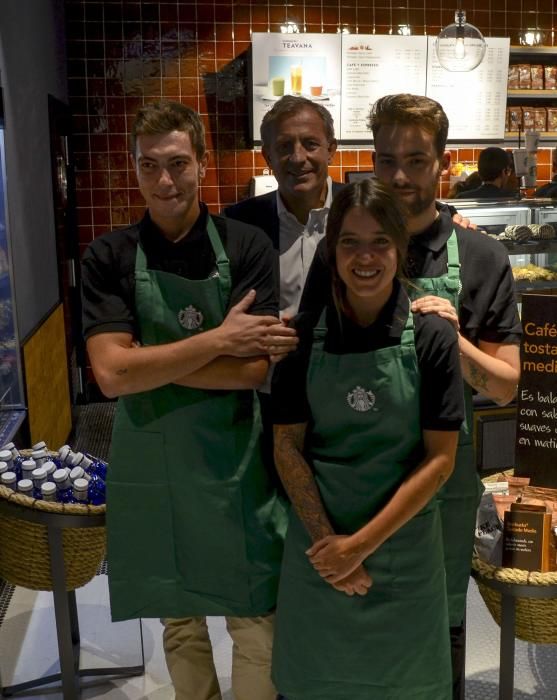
{"type": "Point", "coordinates": [460, 47]}
{"type": "Point", "coordinates": [404, 30]}
{"type": "Point", "coordinates": [289, 28]}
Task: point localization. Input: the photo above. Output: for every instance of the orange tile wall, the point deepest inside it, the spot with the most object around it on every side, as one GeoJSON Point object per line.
{"type": "Point", "coordinates": [122, 53]}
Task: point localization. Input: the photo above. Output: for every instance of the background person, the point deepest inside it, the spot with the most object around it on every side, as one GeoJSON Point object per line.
{"type": "Point", "coordinates": [365, 434]}
{"type": "Point", "coordinates": [461, 275]}
{"type": "Point", "coordinates": [495, 169]}
{"type": "Point", "coordinates": [177, 311]}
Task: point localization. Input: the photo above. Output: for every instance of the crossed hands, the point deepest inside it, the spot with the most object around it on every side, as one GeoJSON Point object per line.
{"type": "Point", "coordinates": [338, 561]}
{"type": "Point", "coordinates": [248, 335]}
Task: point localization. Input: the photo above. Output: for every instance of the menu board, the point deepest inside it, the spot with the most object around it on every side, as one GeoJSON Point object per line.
{"type": "Point", "coordinates": [295, 64]}
{"type": "Point", "coordinates": [373, 66]}
{"type": "Point", "coordinates": [536, 425]}
{"type": "Point", "coordinates": [347, 73]}
{"type": "Point", "coordinates": [475, 102]}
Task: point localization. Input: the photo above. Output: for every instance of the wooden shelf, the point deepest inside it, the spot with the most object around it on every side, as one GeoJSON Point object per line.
{"type": "Point", "coordinates": [533, 51]}
{"type": "Point", "coordinates": [533, 94]}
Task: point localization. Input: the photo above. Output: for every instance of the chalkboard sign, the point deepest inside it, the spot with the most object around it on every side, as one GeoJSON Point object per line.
{"type": "Point", "coordinates": [536, 425]}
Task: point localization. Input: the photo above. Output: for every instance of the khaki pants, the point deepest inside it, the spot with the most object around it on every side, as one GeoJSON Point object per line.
{"type": "Point", "coordinates": [189, 658]}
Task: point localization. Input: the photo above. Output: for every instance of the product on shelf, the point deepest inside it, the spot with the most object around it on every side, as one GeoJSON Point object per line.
{"type": "Point", "coordinates": [536, 76]}
{"type": "Point", "coordinates": [514, 118]}
{"type": "Point", "coordinates": [540, 118]}
{"type": "Point", "coordinates": [524, 76]}
{"type": "Point", "coordinates": [514, 78]}
{"type": "Point", "coordinates": [550, 77]}
{"type": "Point", "coordinates": [533, 273]}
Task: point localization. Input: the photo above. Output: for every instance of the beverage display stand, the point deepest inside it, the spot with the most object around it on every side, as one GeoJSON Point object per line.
{"type": "Point", "coordinates": [57, 547]}
{"type": "Point", "coordinates": [524, 604]}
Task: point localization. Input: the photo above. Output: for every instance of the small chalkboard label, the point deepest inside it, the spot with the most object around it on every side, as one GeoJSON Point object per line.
{"type": "Point", "coordinates": [536, 424]}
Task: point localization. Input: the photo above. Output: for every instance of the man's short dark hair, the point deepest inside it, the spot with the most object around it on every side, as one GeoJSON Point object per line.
{"type": "Point", "coordinates": [414, 110]}
{"type": "Point", "coordinates": [166, 116]}
{"type": "Point", "coordinates": [289, 106]}
{"type": "Point", "coordinates": [492, 162]}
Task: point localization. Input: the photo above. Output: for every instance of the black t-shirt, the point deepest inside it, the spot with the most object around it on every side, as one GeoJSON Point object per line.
{"type": "Point", "coordinates": [441, 394]}
{"type": "Point", "coordinates": [108, 268]}
{"type": "Point", "coordinates": [487, 305]}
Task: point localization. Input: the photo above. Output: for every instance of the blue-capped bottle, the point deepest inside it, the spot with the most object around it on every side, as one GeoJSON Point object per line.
{"type": "Point", "coordinates": [39, 478]}
{"type": "Point", "coordinates": [48, 492]}
{"type": "Point", "coordinates": [80, 488]}
{"type": "Point", "coordinates": [63, 486]}
{"type": "Point", "coordinates": [9, 480]}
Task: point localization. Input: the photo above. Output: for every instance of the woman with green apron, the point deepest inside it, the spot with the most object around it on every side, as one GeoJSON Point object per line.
{"type": "Point", "coordinates": [366, 424]}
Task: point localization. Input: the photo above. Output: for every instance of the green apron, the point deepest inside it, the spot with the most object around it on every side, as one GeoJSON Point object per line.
{"type": "Point", "coordinates": [393, 643]}
{"type": "Point", "coordinates": [460, 496]}
{"type": "Point", "coordinates": [194, 525]}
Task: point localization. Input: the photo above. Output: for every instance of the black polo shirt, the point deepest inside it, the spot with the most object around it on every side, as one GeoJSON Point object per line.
{"type": "Point", "coordinates": [441, 395]}
{"type": "Point", "coordinates": [108, 268]}
{"type": "Point", "coordinates": [487, 305]}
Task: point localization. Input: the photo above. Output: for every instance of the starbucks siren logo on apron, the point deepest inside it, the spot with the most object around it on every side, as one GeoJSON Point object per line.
{"type": "Point", "coordinates": [361, 399]}
{"type": "Point", "coordinates": [190, 318]}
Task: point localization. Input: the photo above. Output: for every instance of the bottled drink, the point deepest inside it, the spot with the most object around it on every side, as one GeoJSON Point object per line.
{"type": "Point", "coordinates": [25, 486]}
{"type": "Point", "coordinates": [27, 467]}
{"type": "Point", "coordinates": [98, 467]}
{"type": "Point", "coordinates": [3, 467]}
{"type": "Point", "coordinates": [79, 473]}
{"type": "Point", "coordinates": [13, 449]}
{"type": "Point", "coordinates": [7, 456]}
{"type": "Point", "coordinates": [63, 486]}
{"type": "Point", "coordinates": [48, 491]}
{"type": "Point", "coordinates": [9, 479]}
{"type": "Point", "coordinates": [49, 468]}
{"type": "Point", "coordinates": [96, 486]}
{"type": "Point", "coordinates": [40, 457]}
{"type": "Point", "coordinates": [39, 478]}
{"type": "Point", "coordinates": [65, 455]}
{"type": "Point", "coordinates": [80, 490]}
{"type": "Point", "coordinates": [39, 446]}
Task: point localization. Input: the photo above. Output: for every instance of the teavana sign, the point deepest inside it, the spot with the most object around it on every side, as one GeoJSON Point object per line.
{"type": "Point", "coordinates": [536, 425]}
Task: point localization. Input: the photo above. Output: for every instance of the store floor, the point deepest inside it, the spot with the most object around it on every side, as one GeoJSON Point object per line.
{"type": "Point", "coordinates": [28, 647]}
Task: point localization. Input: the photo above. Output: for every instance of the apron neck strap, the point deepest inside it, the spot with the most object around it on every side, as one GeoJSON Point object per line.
{"type": "Point", "coordinates": [223, 265]}
{"type": "Point", "coordinates": [453, 260]}
{"type": "Point", "coordinates": [407, 337]}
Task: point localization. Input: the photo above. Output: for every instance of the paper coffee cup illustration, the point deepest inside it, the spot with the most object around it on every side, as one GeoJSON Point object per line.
{"type": "Point", "coordinates": [277, 87]}
{"type": "Point", "coordinates": [316, 90]}
{"type": "Point", "coordinates": [532, 139]}
{"type": "Point", "coordinates": [296, 79]}
{"type": "Point", "coordinates": [520, 157]}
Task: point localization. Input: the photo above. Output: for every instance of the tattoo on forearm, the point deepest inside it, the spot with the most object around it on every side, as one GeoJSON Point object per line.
{"type": "Point", "coordinates": [119, 372]}
{"type": "Point", "coordinates": [478, 377]}
{"type": "Point", "coordinates": [300, 485]}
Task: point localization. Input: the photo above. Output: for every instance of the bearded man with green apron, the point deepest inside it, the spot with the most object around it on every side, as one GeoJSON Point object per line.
{"type": "Point", "coordinates": [366, 400]}
{"type": "Point", "coordinates": [194, 525]}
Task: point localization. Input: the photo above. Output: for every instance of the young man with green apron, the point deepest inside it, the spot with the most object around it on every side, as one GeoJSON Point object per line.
{"type": "Point", "coordinates": [465, 277]}
{"type": "Point", "coordinates": [178, 314]}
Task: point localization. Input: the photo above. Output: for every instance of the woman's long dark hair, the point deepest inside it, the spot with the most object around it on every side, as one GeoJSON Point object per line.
{"type": "Point", "coordinates": [380, 202]}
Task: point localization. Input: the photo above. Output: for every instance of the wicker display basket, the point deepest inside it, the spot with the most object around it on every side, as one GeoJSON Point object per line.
{"type": "Point", "coordinates": [24, 548]}
{"type": "Point", "coordinates": [536, 619]}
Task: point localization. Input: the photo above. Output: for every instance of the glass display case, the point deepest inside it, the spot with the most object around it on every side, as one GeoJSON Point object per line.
{"type": "Point", "coordinates": [11, 385]}
{"type": "Point", "coordinates": [528, 230]}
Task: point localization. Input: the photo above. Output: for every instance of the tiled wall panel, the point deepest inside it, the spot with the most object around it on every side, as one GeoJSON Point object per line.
{"type": "Point", "coordinates": [122, 53]}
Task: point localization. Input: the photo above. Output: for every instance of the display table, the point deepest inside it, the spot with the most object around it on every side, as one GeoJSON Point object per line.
{"type": "Point", "coordinates": [510, 593]}
{"type": "Point", "coordinates": [65, 607]}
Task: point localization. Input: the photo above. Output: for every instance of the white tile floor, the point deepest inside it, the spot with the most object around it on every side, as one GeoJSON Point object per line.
{"type": "Point", "coordinates": [28, 649]}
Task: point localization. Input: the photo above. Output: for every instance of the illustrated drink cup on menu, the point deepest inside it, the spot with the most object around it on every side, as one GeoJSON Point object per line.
{"type": "Point", "coordinates": [296, 79]}
{"type": "Point", "coordinates": [277, 87]}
